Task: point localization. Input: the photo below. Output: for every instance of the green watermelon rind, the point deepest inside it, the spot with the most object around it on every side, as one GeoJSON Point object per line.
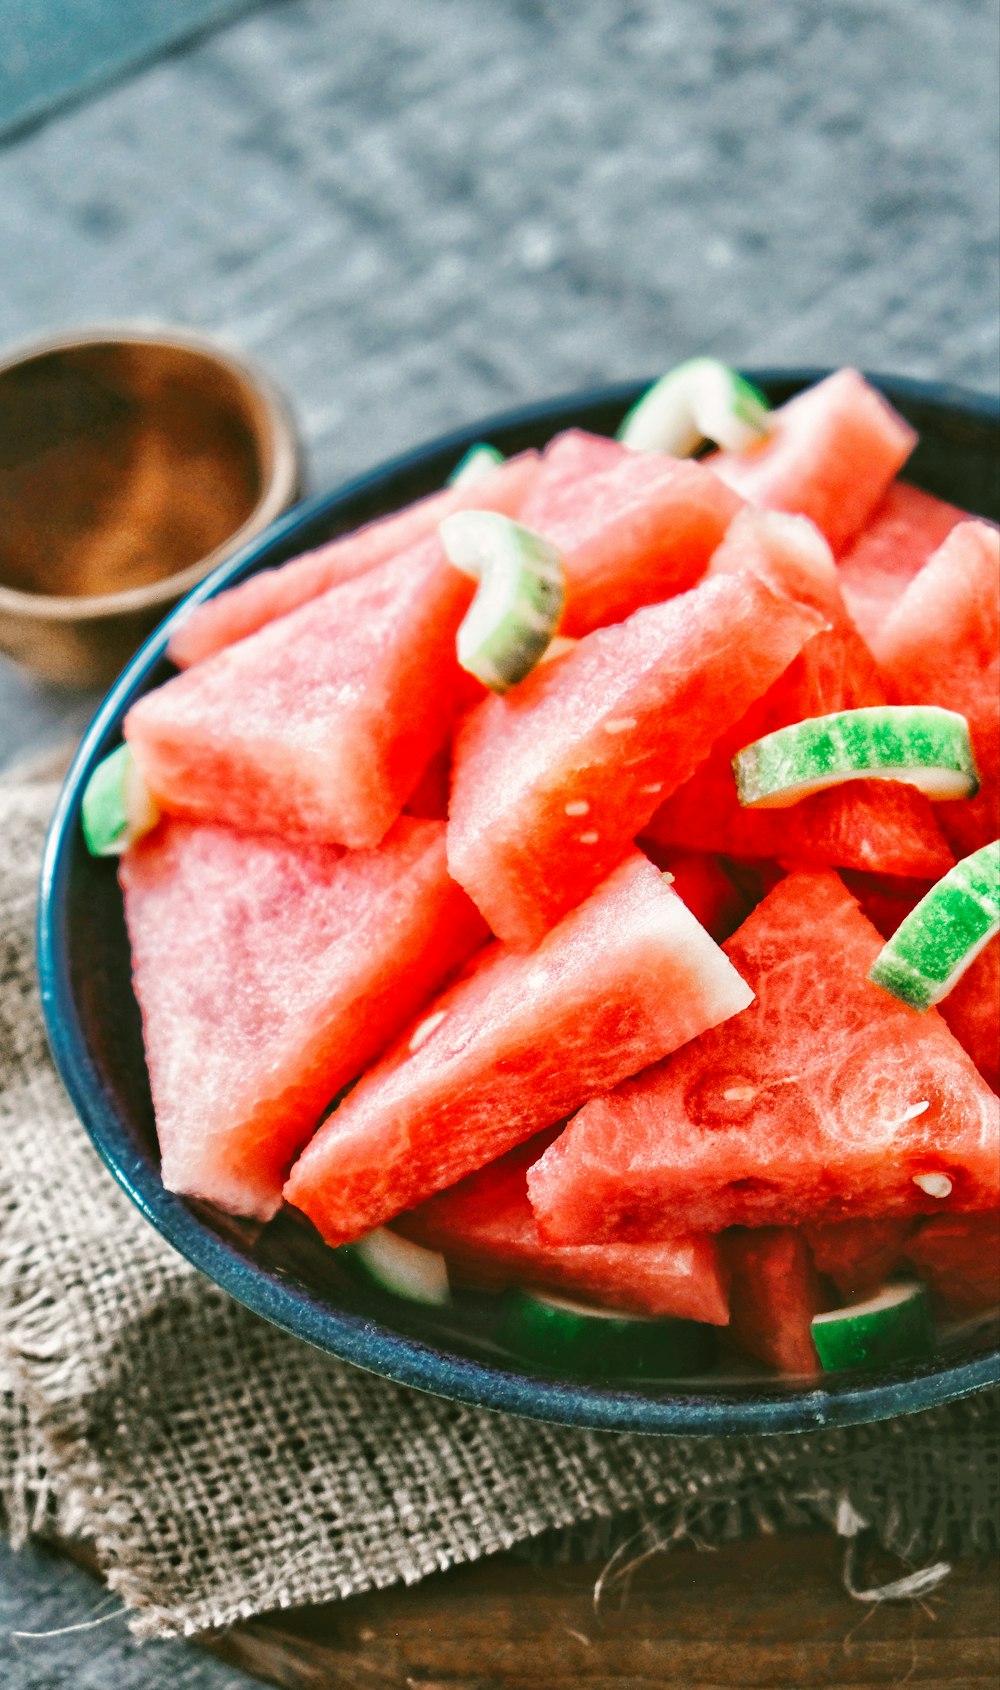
{"type": "Point", "coordinates": [895, 1325]}
{"type": "Point", "coordinates": [944, 934]}
{"type": "Point", "coordinates": [560, 1334]}
{"type": "Point", "coordinates": [923, 745]}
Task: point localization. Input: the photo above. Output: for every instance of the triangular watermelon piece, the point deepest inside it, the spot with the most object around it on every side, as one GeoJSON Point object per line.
{"type": "Point", "coordinates": [486, 1228]}
{"type": "Point", "coordinates": [773, 1297]}
{"type": "Point", "coordinates": [319, 726]}
{"type": "Point", "coordinates": [514, 1046]}
{"type": "Point", "coordinates": [241, 610]}
{"type": "Point", "coordinates": [552, 782]}
{"type": "Point", "coordinates": [859, 1255]}
{"type": "Point", "coordinates": [895, 543]}
{"type": "Point", "coordinates": [959, 1257]}
{"type": "Point", "coordinates": [827, 1098]}
{"type": "Point", "coordinates": [632, 533]}
{"type": "Point", "coordinates": [941, 645]}
{"type": "Point", "coordinates": [876, 825]}
{"type": "Point", "coordinates": [834, 451]}
{"type": "Point", "coordinates": [269, 974]}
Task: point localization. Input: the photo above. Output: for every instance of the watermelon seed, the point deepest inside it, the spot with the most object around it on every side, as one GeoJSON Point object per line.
{"type": "Point", "coordinates": [619, 725]}
{"type": "Point", "coordinates": [426, 1028]}
{"type": "Point", "coordinates": [656, 786]}
{"type": "Point", "coordinates": [579, 807]}
{"type": "Point", "coordinates": [589, 838]}
{"type": "Point", "coordinates": [914, 1110]}
{"type": "Point", "coordinates": [740, 1094]}
{"type": "Point", "coordinates": [935, 1185]}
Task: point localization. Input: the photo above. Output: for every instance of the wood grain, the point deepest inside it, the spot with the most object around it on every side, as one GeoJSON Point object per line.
{"type": "Point", "coordinates": [771, 1613]}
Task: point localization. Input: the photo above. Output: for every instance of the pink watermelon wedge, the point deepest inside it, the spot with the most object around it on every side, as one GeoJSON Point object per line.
{"type": "Point", "coordinates": [834, 451]}
{"type": "Point", "coordinates": [486, 1228]}
{"type": "Point", "coordinates": [551, 782]}
{"type": "Point", "coordinates": [859, 1255]}
{"type": "Point", "coordinates": [827, 1098]}
{"type": "Point", "coordinates": [241, 610]}
{"type": "Point", "coordinates": [941, 645]}
{"type": "Point", "coordinates": [632, 533]}
{"type": "Point", "coordinates": [515, 1045]}
{"type": "Point", "coordinates": [269, 974]}
{"type": "Point", "coordinates": [895, 543]}
{"type": "Point", "coordinates": [972, 1011]}
{"type": "Point", "coordinates": [319, 726]}
{"type": "Point", "coordinates": [773, 1297]}
{"type": "Point", "coordinates": [873, 825]}
{"type": "Point", "coordinates": [959, 1257]}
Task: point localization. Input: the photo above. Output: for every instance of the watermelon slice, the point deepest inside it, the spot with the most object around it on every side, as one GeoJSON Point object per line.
{"type": "Point", "coordinates": [486, 1228]}
{"type": "Point", "coordinates": [269, 974]}
{"type": "Point", "coordinates": [941, 645]}
{"type": "Point", "coordinates": [709, 892]}
{"type": "Point", "coordinates": [827, 1098]}
{"type": "Point", "coordinates": [859, 1255]}
{"type": "Point", "coordinates": [972, 1011]}
{"type": "Point", "coordinates": [631, 533]}
{"type": "Point", "coordinates": [553, 781]}
{"type": "Point", "coordinates": [319, 726]}
{"type": "Point", "coordinates": [773, 1297]}
{"type": "Point", "coordinates": [959, 1257]}
{"type": "Point", "coordinates": [514, 1046]}
{"type": "Point", "coordinates": [831, 455]}
{"type": "Point", "coordinates": [241, 610]}
{"type": "Point", "coordinates": [893, 546]}
{"type": "Point", "coordinates": [875, 825]}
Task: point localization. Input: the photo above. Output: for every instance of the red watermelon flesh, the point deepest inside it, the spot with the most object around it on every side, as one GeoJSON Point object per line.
{"type": "Point", "coordinates": [554, 780]}
{"type": "Point", "coordinates": [893, 546]}
{"type": "Point", "coordinates": [941, 645]}
{"type": "Point", "coordinates": [515, 1045]}
{"type": "Point", "coordinates": [833, 453]}
{"type": "Point", "coordinates": [972, 1011]}
{"type": "Point", "coordinates": [241, 610]}
{"type": "Point", "coordinates": [429, 797]}
{"type": "Point", "coordinates": [959, 1257]}
{"type": "Point", "coordinates": [269, 974]}
{"type": "Point", "coordinates": [827, 1098]}
{"type": "Point", "coordinates": [566, 460]}
{"type": "Point", "coordinates": [634, 533]}
{"type": "Point", "coordinates": [702, 882]}
{"type": "Point", "coordinates": [319, 726]}
{"type": "Point", "coordinates": [858, 1255]}
{"type": "Point", "coordinates": [486, 1228]}
{"type": "Point", "coordinates": [876, 825]}
{"type": "Point", "coordinates": [886, 899]}
{"type": "Point", "coordinates": [774, 1295]}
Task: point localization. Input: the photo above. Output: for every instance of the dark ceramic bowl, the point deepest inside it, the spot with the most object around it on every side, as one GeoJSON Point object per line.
{"type": "Point", "coordinates": [282, 1270]}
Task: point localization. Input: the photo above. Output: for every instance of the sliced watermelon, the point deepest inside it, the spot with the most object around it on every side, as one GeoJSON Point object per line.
{"type": "Point", "coordinates": [269, 974]}
{"type": "Point", "coordinates": [429, 797]}
{"type": "Point", "coordinates": [319, 726]}
{"type": "Point", "coordinates": [859, 1255]}
{"type": "Point", "coordinates": [941, 645]}
{"type": "Point", "coordinates": [831, 455]}
{"type": "Point", "coordinates": [895, 543]}
{"type": "Point", "coordinates": [884, 826]}
{"type": "Point", "coordinates": [827, 1098]}
{"type": "Point", "coordinates": [972, 1011]}
{"type": "Point", "coordinates": [709, 892]}
{"type": "Point", "coordinates": [551, 782]}
{"type": "Point", "coordinates": [959, 1257]}
{"type": "Point", "coordinates": [486, 1228]}
{"type": "Point", "coordinates": [514, 1046]}
{"type": "Point", "coordinates": [632, 533]}
{"type": "Point", "coordinates": [774, 1295]}
{"type": "Point", "coordinates": [241, 610]}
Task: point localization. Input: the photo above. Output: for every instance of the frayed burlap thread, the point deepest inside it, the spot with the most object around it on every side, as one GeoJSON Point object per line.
{"type": "Point", "coordinates": [222, 1469]}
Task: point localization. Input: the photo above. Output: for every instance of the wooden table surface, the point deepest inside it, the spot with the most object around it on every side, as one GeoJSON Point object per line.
{"type": "Point", "coordinates": [419, 214]}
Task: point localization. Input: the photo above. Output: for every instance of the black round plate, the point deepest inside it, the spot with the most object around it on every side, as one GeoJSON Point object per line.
{"type": "Point", "coordinates": [282, 1270]}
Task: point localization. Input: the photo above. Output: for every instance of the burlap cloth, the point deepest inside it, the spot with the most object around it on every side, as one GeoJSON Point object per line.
{"type": "Point", "coordinates": [222, 1468]}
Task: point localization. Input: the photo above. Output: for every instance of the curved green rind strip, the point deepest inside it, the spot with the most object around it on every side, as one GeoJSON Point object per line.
{"type": "Point", "coordinates": [702, 399]}
{"type": "Point", "coordinates": [520, 598]}
{"type": "Point", "coordinates": [479, 461]}
{"type": "Point", "coordinates": [932, 948]}
{"type": "Point", "coordinates": [571, 1339]}
{"type": "Point", "coordinates": [117, 806]}
{"type": "Point", "coordinates": [919, 743]}
{"type": "Point", "coordinates": [894, 1326]}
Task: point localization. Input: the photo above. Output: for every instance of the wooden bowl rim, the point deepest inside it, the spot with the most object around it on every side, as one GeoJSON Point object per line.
{"type": "Point", "coordinates": [276, 446]}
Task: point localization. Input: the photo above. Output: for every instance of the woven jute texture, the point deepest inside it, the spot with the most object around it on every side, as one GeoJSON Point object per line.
{"type": "Point", "coordinates": [222, 1469]}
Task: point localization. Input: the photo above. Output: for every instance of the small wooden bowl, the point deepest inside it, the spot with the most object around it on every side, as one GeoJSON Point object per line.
{"type": "Point", "coordinates": [132, 462]}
